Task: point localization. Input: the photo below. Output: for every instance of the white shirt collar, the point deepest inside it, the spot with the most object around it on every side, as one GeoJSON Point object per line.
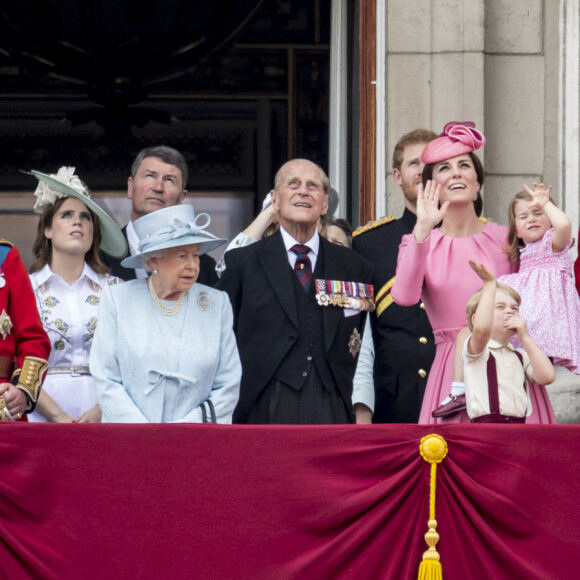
{"type": "Point", "coordinates": [46, 274]}
{"type": "Point", "coordinates": [495, 344]}
{"type": "Point", "coordinates": [132, 238]}
{"type": "Point", "coordinates": [313, 243]}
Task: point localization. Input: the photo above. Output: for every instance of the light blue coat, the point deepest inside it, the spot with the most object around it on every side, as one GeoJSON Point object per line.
{"type": "Point", "coordinates": [151, 368]}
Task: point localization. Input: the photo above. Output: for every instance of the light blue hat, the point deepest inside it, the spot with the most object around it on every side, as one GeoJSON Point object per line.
{"type": "Point", "coordinates": [171, 227]}
{"type": "Point", "coordinates": [66, 184]}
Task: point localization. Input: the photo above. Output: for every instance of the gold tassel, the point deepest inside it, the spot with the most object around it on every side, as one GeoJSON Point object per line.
{"type": "Point", "coordinates": [433, 449]}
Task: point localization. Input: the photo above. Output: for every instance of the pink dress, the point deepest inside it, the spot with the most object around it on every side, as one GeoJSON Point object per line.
{"type": "Point", "coordinates": [438, 272]}
{"type": "Point", "coordinates": [550, 302]}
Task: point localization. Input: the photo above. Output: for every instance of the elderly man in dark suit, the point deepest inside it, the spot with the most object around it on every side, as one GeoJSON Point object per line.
{"type": "Point", "coordinates": [299, 310]}
{"type": "Point", "coordinates": [158, 179]}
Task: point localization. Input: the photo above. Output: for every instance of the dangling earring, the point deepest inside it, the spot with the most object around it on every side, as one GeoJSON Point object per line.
{"type": "Point", "coordinates": [155, 272]}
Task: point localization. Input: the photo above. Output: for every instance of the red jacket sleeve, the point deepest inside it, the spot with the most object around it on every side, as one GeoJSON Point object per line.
{"type": "Point", "coordinates": [18, 302]}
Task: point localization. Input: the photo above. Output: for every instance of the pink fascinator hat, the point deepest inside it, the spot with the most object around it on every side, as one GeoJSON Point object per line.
{"type": "Point", "coordinates": [457, 138]}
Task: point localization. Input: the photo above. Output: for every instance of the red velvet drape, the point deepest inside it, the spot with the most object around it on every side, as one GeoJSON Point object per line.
{"type": "Point", "coordinates": [235, 502]}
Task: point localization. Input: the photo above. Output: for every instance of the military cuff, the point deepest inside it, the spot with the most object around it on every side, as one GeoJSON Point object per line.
{"type": "Point", "coordinates": [29, 379]}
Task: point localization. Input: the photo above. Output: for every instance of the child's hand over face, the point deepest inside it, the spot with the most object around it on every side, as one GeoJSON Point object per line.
{"type": "Point", "coordinates": [482, 271]}
{"type": "Point", "coordinates": [540, 195]}
{"type": "Point", "coordinates": [519, 325]}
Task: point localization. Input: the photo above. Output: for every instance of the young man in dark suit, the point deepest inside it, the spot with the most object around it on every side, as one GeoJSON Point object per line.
{"type": "Point", "coordinates": [297, 319]}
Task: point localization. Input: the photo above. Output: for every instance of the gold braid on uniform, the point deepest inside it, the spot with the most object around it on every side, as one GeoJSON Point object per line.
{"type": "Point", "coordinates": [372, 226]}
{"type": "Point", "coordinates": [384, 299]}
{"type": "Point", "coordinates": [29, 378]}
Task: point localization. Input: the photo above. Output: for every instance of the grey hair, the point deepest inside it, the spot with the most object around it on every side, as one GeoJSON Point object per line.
{"type": "Point", "coordinates": [167, 155]}
{"type": "Point", "coordinates": [323, 177]}
{"type": "Point", "coordinates": [146, 260]}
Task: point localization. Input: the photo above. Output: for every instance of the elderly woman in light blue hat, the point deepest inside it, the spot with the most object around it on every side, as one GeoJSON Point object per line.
{"type": "Point", "coordinates": [164, 350]}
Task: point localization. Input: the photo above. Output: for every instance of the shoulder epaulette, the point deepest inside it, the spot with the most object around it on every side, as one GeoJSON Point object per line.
{"type": "Point", "coordinates": [6, 243]}
{"type": "Point", "coordinates": [372, 225]}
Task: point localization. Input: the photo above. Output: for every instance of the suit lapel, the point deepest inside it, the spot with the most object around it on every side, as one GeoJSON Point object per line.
{"type": "Point", "coordinates": [274, 262]}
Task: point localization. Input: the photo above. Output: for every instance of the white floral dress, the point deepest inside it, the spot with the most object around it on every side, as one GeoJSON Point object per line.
{"type": "Point", "coordinates": [69, 316]}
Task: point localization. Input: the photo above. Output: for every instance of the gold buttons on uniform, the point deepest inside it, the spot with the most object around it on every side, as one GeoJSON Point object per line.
{"type": "Point", "coordinates": [422, 306]}
{"type": "Point", "coordinates": [422, 373]}
{"type": "Point", "coordinates": [423, 340]}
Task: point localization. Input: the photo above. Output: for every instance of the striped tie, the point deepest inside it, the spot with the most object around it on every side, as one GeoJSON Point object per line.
{"type": "Point", "coordinates": [303, 266]}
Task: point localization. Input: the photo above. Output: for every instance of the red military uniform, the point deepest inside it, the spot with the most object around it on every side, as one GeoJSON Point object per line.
{"type": "Point", "coordinates": [24, 345]}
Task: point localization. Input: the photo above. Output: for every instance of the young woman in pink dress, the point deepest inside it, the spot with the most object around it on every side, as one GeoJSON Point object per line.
{"type": "Point", "coordinates": [433, 262]}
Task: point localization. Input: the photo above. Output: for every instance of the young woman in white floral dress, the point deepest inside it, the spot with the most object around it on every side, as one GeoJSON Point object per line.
{"type": "Point", "coordinates": [67, 278]}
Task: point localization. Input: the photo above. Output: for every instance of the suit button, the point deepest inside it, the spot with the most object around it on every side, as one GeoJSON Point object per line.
{"type": "Point", "coordinates": [304, 374]}
{"type": "Point", "coordinates": [423, 340]}
{"type": "Point", "coordinates": [308, 358]}
{"type": "Point", "coordinates": [291, 338]}
{"type": "Point", "coordinates": [422, 306]}
{"type": "Point", "coordinates": [422, 373]}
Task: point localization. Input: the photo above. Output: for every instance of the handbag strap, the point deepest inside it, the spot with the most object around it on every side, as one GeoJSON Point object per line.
{"type": "Point", "coordinates": [212, 415]}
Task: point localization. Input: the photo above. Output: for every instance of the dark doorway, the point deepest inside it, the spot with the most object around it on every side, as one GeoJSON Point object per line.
{"type": "Point", "coordinates": [82, 83]}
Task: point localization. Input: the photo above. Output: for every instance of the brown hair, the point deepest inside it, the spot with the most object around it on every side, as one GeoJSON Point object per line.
{"type": "Point", "coordinates": [478, 202]}
{"type": "Point", "coordinates": [42, 248]}
{"type": "Point", "coordinates": [473, 302]}
{"type": "Point", "coordinates": [515, 243]}
{"type": "Point", "coordinates": [410, 138]}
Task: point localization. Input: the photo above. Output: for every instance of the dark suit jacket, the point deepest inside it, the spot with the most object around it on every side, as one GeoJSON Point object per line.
{"type": "Point", "coordinates": [258, 279]}
{"type": "Point", "coordinates": [207, 273]}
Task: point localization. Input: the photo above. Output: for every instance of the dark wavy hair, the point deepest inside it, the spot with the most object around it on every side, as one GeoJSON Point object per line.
{"type": "Point", "coordinates": [42, 248]}
{"type": "Point", "coordinates": [478, 203]}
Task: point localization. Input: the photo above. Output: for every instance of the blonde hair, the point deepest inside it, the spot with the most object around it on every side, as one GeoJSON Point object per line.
{"type": "Point", "coordinates": [473, 302]}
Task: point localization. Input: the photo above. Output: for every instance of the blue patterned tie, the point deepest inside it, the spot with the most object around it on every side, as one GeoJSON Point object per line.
{"type": "Point", "coordinates": [303, 266]}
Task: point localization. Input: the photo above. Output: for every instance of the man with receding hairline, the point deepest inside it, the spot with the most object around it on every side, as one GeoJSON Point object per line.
{"type": "Point", "coordinates": [297, 324]}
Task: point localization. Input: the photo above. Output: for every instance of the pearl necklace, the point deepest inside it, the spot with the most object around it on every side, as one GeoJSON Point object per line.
{"type": "Point", "coordinates": [162, 308]}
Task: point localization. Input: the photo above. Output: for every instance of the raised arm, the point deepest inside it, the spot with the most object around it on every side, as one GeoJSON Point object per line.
{"type": "Point", "coordinates": [415, 247]}
{"type": "Point", "coordinates": [559, 220]}
{"type": "Point", "coordinates": [429, 213]}
{"type": "Point", "coordinates": [483, 318]}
